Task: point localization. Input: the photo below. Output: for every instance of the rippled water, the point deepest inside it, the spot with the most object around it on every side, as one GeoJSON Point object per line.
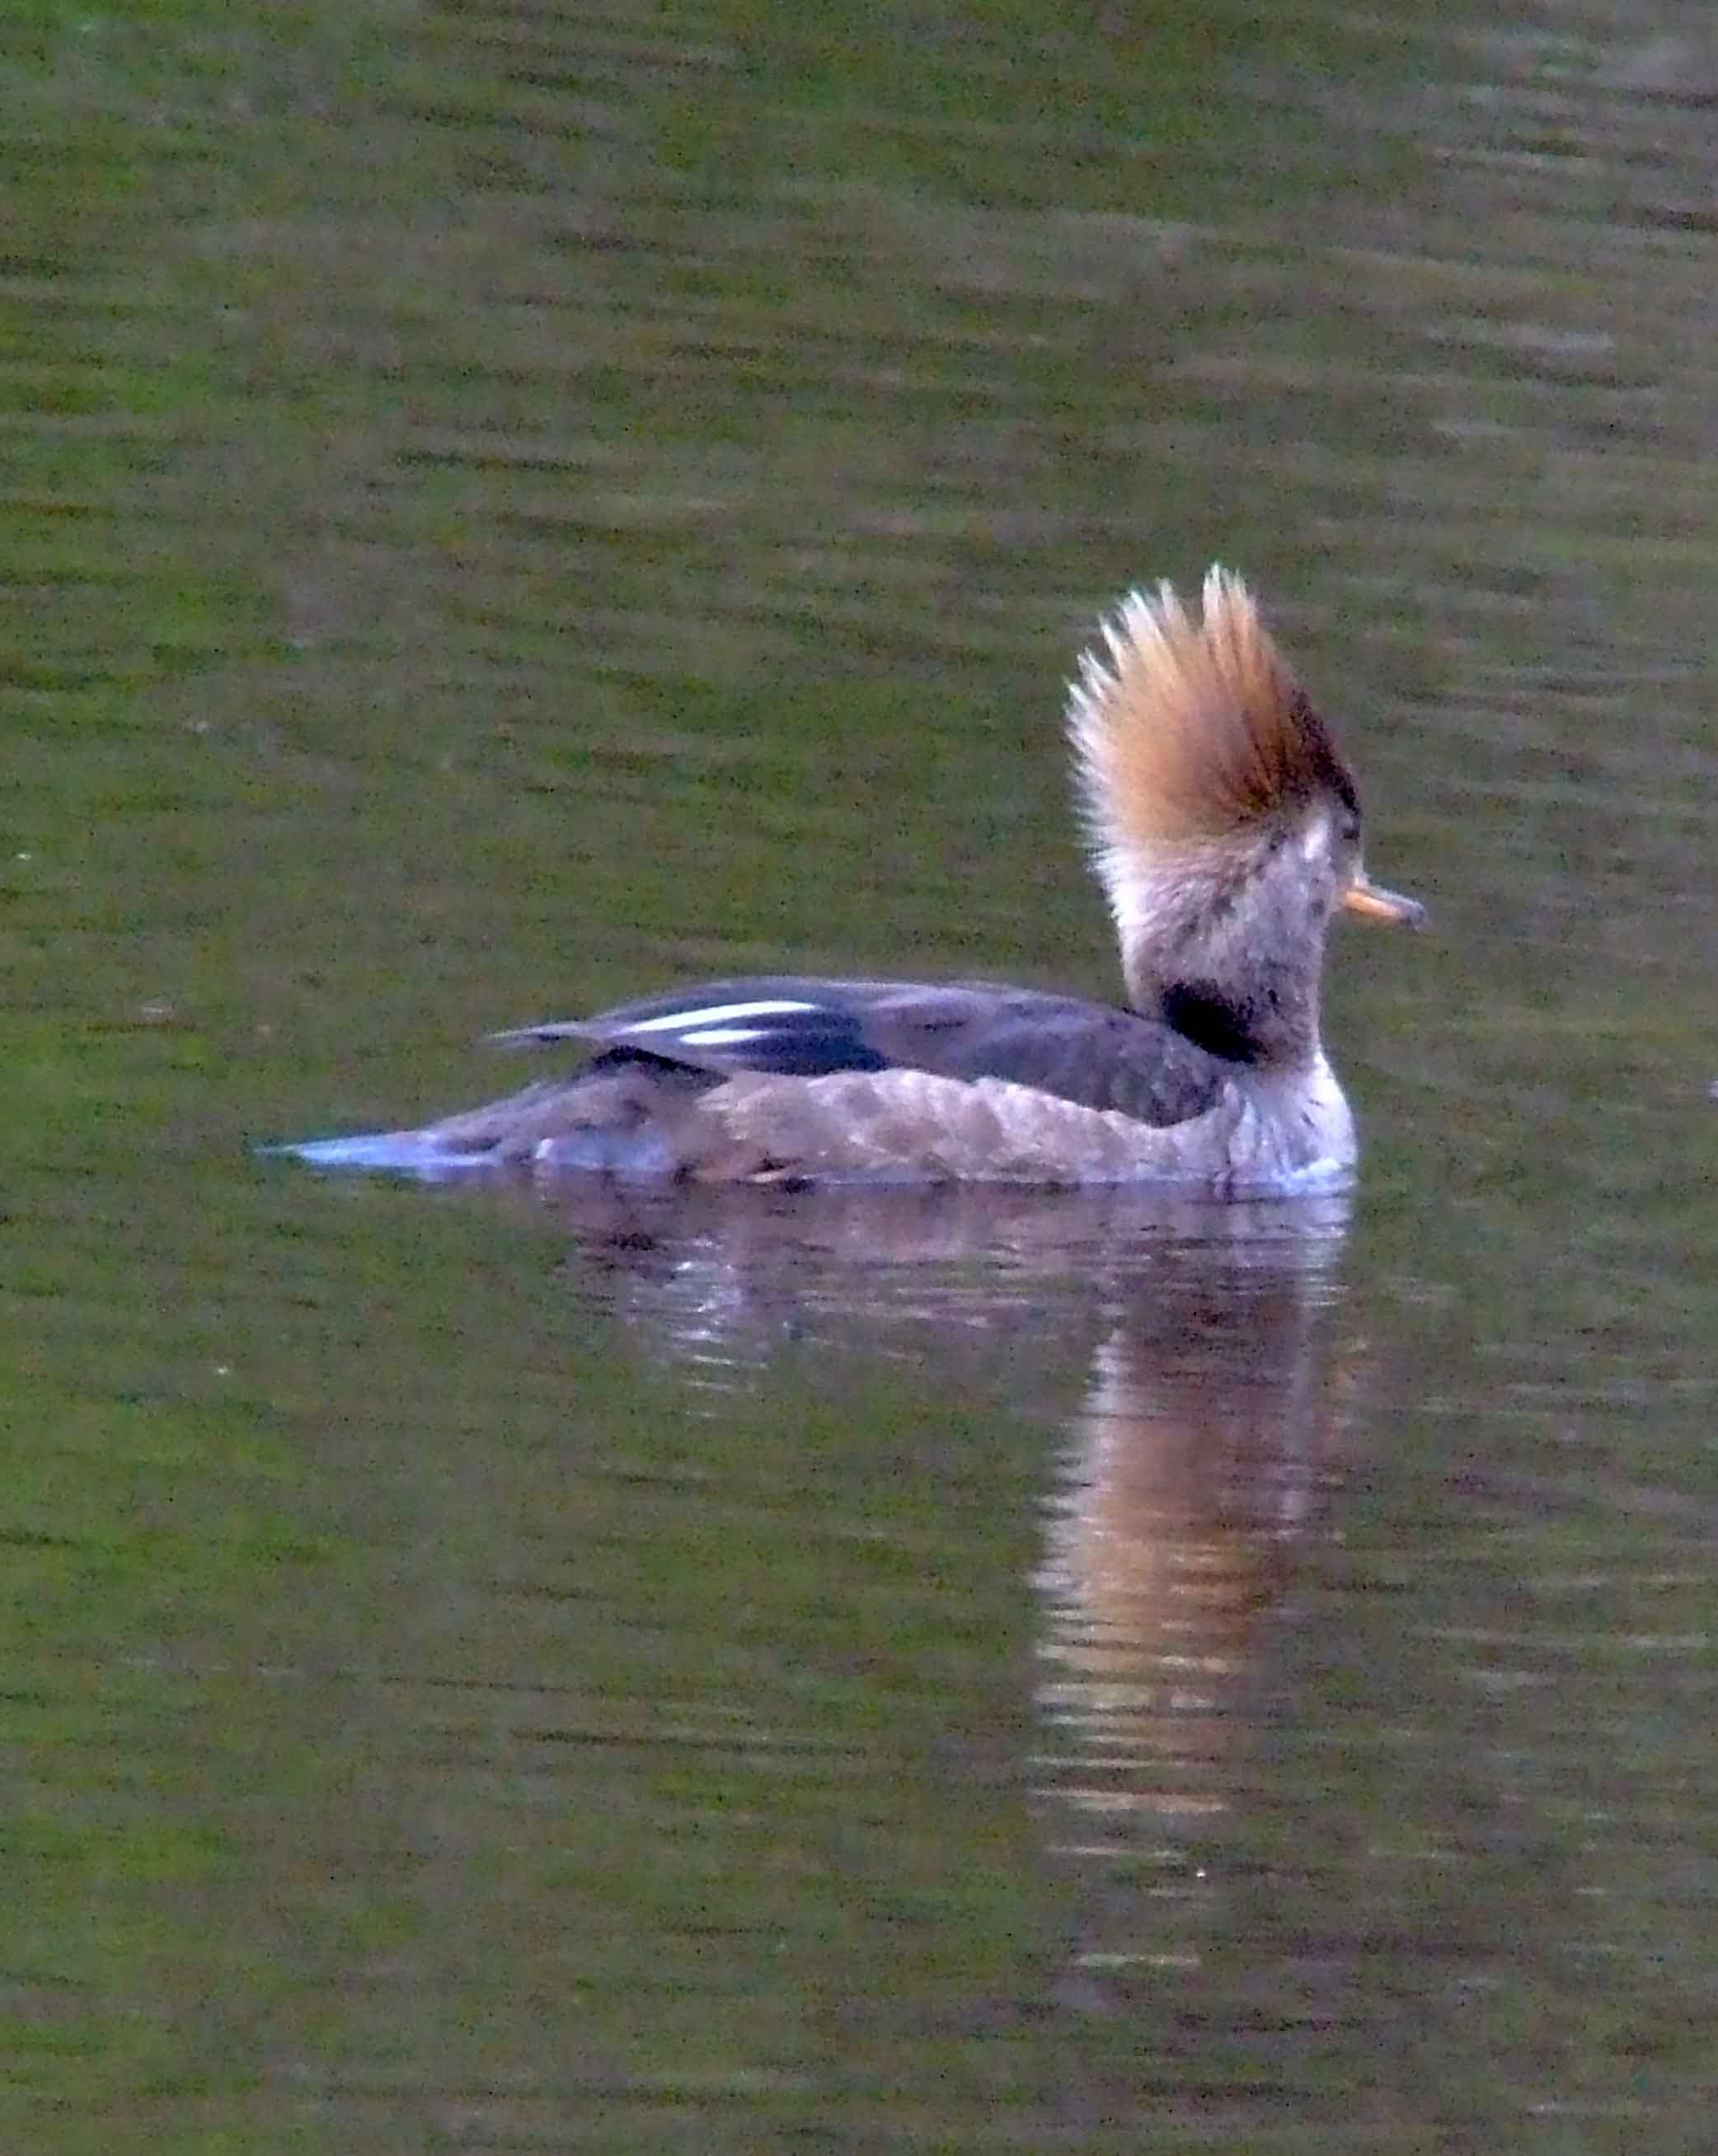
{"type": "Point", "coordinates": [507, 507]}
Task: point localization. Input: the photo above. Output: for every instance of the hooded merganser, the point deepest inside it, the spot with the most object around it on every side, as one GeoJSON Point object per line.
{"type": "Point", "coordinates": [1226, 831]}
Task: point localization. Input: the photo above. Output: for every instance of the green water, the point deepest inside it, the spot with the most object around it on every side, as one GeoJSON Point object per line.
{"type": "Point", "coordinates": [506, 508]}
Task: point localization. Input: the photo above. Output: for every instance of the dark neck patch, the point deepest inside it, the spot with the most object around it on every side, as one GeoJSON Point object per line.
{"type": "Point", "coordinates": [1237, 1031]}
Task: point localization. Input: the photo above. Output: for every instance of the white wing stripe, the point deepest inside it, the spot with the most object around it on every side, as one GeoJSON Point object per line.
{"type": "Point", "coordinates": [724, 1036]}
{"type": "Point", "coordinates": [677, 1021]}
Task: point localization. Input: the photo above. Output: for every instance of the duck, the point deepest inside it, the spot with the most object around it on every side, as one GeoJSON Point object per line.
{"type": "Point", "coordinates": [1225, 829]}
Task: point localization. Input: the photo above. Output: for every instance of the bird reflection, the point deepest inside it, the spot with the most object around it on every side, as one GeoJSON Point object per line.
{"type": "Point", "coordinates": [1192, 1464]}
{"type": "Point", "coordinates": [1203, 1343]}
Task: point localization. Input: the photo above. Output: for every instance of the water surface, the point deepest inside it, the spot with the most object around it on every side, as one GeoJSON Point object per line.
{"type": "Point", "coordinates": [507, 507]}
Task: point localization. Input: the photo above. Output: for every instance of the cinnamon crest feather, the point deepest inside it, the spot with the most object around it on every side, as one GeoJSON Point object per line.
{"type": "Point", "coordinates": [1189, 730]}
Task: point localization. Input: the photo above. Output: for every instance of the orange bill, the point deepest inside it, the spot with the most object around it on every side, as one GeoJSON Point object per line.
{"type": "Point", "coordinates": [1364, 897]}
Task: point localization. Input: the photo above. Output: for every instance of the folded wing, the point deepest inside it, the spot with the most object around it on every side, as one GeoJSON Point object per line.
{"type": "Point", "coordinates": [1094, 1054]}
